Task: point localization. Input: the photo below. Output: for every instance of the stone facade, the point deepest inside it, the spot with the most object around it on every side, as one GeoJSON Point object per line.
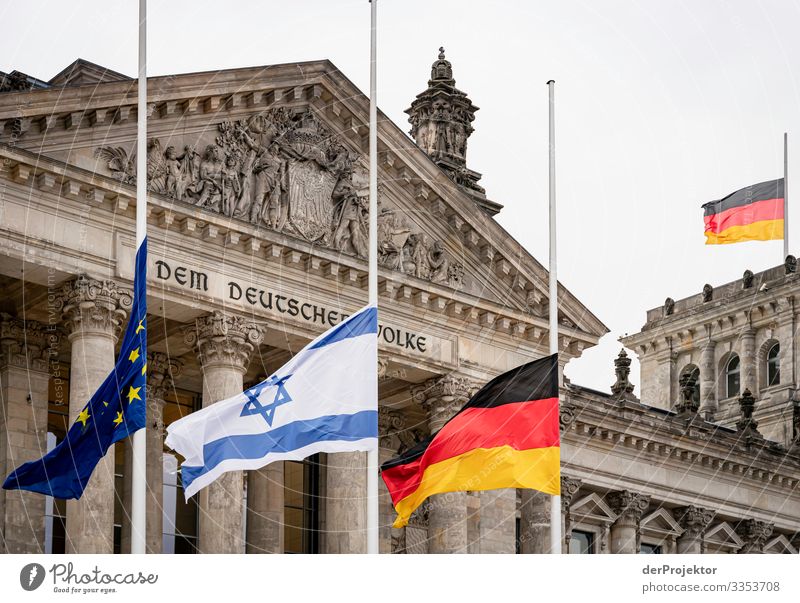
{"type": "Point", "coordinates": [257, 241]}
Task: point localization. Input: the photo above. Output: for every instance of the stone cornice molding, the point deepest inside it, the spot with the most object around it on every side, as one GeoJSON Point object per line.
{"type": "Point", "coordinates": [93, 306]}
{"type": "Point", "coordinates": [224, 340]}
{"type": "Point", "coordinates": [28, 344]}
{"type": "Point", "coordinates": [569, 488]}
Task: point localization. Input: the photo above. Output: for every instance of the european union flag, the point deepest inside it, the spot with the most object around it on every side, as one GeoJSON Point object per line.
{"type": "Point", "coordinates": [116, 410]}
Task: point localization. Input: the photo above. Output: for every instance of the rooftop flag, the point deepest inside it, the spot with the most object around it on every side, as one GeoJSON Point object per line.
{"type": "Point", "coordinates": [325, 399]}
{"type": "Point", "coordinates": [506, 436]}
{"type": "Point", "coordinates": [754, 213]}
{"type": "Point", "coordinates": [116, 410]}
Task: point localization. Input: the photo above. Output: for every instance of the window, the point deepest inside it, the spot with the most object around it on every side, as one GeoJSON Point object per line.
{"type": "Point", "coordinates": [581, 543]}
{"type": "Point", "coordinates": [774, 365]}
{"type": "Point", "coordinates": [732, 377]}
{"type": "Point", "coordinates": [180, 516]}
{"type": "Point", "coordinates": [649, 549]}
{"type": "Point", "coordinates": [301, 505]}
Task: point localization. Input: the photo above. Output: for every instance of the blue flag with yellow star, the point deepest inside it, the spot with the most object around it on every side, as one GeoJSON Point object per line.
{"type": "Point", "coordinates": [116, 410]}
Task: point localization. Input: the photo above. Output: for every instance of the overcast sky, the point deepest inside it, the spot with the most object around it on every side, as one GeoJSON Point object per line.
{"type": "Point", "coordinates": [661, 106]}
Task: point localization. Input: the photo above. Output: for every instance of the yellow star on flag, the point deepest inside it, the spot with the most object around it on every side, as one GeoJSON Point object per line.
{"type": "Point", "coordinates": [140, 327]}
{"type": "Point", "coordinates": [134, 355]}
{"type": "Point", "coordinates": [83, 416]}
{"type": "Point", "coordinates": [105, 404]}
{"type": "Point", "coordinates": [118, 420]}
{"type": "Point", "coordinates": [133, 394]}
{"type": "Point", "coordinates": [144, 368]}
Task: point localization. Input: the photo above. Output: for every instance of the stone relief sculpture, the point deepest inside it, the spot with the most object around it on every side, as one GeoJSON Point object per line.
{"type": "Point", "coordinates": [414, 253]}
{"type": "Point", "coordinates": [285, 170]}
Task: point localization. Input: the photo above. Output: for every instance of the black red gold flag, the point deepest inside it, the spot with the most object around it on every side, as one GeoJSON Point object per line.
{"type": "Point", "coordinates": [505, 436]}
{"type": "Point", "coordinates": [754, 213]}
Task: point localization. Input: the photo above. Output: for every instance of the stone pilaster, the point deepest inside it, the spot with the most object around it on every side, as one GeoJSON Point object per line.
{"type": "Point", "coordinates": [708, 380]}
{"type": "Point", "coordinates": [447, 513]}
{"type": "Point", "coordinates": [748, 358]}
{"type": "Point", "coordinates": [224, 345]}
{"type": "Point", "coordinates": [755, 534]}
{"type": "Point", "coordinates": [569, 488]}
{"type": "Point", "coordinates": [629, 507]}
{"type": "Point", "coordinates": [391, 428]}
{"type": "Point", "coordinates": [535, 528]}
{"type": "Point", "coordinates": [25, 349]}
{"type": "Point", "coordinates": [346, 503]}
{"type": "Point", "coordinates": [93, 312]}
{"type": "Point", "coordinates": [694, 521]}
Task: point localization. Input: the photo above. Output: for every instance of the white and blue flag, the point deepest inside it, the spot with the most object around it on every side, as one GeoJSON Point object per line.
{"type": "Point", "coordinates": [325, 399]}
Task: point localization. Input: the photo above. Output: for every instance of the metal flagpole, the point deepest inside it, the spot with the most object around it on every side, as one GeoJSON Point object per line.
{"type": "Point", "coordinates": [555, 501]}
{"type": "Point", "coordinates": [785, 196]}
{"type": "Point", "coordinates": [138, 489]}
{"type": "Point", "coordinates": [372, 455]}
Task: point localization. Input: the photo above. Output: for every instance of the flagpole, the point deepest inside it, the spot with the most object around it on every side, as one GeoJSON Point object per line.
{"type": "Point", "coordinates": [785, 196]}
{"type": "Point", "coordinates": [138, 480]}
{"type": "Point", "coordinates": [555, 501]}
{"type": "Point", "coordinates": [372, 455]}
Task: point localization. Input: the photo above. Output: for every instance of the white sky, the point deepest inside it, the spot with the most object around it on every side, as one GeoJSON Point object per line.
{"type": "Point", "coordinates": [661, 106]}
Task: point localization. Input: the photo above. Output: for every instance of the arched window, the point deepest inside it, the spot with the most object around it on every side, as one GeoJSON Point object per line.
{"type": "Point", "coordinates": [774, 365]}
{"type": "Point", "coordinates": [732, 377]}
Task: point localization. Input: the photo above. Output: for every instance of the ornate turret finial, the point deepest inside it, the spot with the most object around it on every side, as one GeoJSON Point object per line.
{"type": "Point", "coordinates": [441, 122]}
{"type": "Point", "coordinates": [747, 425]}
{"type": "Point", "coordinates": [622, 367]}
{"type": "Point", "coordinates": [688, 403]}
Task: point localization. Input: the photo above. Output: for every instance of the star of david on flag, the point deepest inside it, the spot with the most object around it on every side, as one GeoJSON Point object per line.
{"type": "Point", "coordinates": [325, 399]}
{"type": "Point", "coordinates": [116, 410]}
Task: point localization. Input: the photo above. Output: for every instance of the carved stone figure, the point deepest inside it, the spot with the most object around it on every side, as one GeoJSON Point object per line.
{"type": "Point", "coordinates": [231, 186]}
{"type": "Point", "coordinates": [210, 186]}
{"type": "Point", "coordinates": [438, 263]}
{"type": "Point", "coordinates": [669, 306]}
{"type": "Point", "coordinates": [393, 232]}
{"type": "Point", "coordinates": [708, 293]}
{"type": "Point", "coordinates": [747, 279]}
{"type": "Point", "coordinates": [790, 265]}
{"type": "Point", "coordinates": [350, 219]}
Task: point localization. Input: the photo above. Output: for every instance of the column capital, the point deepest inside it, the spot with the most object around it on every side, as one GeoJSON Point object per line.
{"type": "Point", "coordinates": [383, 365]}
{"type": "Point", "coordinates": [755, 534]}
{"type": "Point", "coordinates": [628, 505]}
{"type": "Point", "coordinates": [569, 487]}
{"type": "Point", "coordinates": [26, 344]}
{"type": "Point", "coordinates": [393, 432]}
{"type": "Point", "coordinates": [694, 520]}
{"type": "Point", "coordinates": [224, 340]}
{"type": "Point", "coordinates": [444, 396]}
{"type": "Point", "coordinates": [92, 305]}
{"type": "Point", "coordinates": [161, 372]}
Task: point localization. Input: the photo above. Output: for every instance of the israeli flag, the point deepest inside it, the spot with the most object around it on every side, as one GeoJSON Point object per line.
{"type": "Point", "coordinates": [325, 399]}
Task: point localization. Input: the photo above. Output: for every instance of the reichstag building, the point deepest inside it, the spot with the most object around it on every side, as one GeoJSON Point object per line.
{"type": "Point", "coordinates": [258, 242]}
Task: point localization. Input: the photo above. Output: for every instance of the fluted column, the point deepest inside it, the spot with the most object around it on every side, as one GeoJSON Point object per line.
{"type": "Point", "coordinates": [224, 344]}
{"type": "Point", "coordinates": [694, 521]}
{"type": "Point", "coordinates": [447, 513]}
{"type": "Point", "coordinates": [25, 349]}
{"type": "Point", "coordinates": [629, 507]}
{"type": "Point", "coordinates": [708, 380]}
{"type": "Point", "coordinates": [93, 312]}
{"type": "Point", "coordinates": [755, 534]}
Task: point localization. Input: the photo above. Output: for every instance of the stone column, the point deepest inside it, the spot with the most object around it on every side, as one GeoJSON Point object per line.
{"type": "Point", "coordinates": [708, 380]}
{"type": "Point", "coordinates": [224, 344]}
{"type": "Point", "coordinates": [25, 348]}
{"type": "Point", "coordinates": [93, 312]}
{"type": "Point", "coordinates": [393, 439]}
{"type": "Point", "coordinates": [346, 503]}
{"type": "Point", "coordinates": [535, 528]}
{"type": "Point", "coordinates": [694, 521]}
{"type": "Point", "coordinates": [748, 359]}
{"type": "Point", "coordinates": [265, 509]}
{"type": "Point", "coordinates": [629, 507]}
{"type": "Point", "coordinates": [755, 534]}
{"type": "Point", "coordinates": [161, 370]}
{"type": "Point", "coordinates": [447, 513]}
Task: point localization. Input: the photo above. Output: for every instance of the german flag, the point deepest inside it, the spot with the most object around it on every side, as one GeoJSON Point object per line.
{"type": "Point", "coordinates": [754, 213]}
{"type": "Point", "coordinates": [506, 436]}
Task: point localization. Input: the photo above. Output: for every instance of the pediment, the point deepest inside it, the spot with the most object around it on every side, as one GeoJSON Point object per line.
{"type": "Point", "coordinates": [724, 536]}
{"type": "Point", "coordinates": [662, 523]}
{"type": "Point", "coordinates": [592, 508]}
{"type": "Point", "coordinates": [780, 545]}
{"type": "Point", "coordinates": [285, 149]}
